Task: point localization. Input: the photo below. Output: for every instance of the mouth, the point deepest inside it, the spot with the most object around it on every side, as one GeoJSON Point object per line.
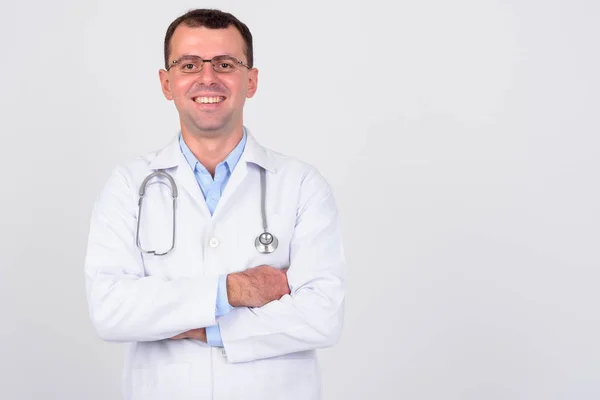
{"type": "Point", "coordinates": [209, 99]}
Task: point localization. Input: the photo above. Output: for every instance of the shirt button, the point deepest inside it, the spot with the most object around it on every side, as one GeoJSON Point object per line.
{"type": "Point", "coordinates": [214, 242]}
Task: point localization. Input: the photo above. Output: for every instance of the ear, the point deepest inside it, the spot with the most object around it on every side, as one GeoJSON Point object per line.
{"type": "Point", "coordinates": [252, 82]}
{"type": "Point", "coordinates": [165, 84]}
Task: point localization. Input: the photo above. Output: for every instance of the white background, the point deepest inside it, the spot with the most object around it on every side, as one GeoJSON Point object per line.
{"type": "Point", "coordinates": [460, 137]}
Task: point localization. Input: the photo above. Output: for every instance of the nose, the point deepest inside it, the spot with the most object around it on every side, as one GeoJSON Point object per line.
{"type": "Point", "coordinates": [207, 74]}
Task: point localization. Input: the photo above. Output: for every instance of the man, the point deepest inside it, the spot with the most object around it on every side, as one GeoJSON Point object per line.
{"type": "Point", "coordinates": [208, 310]}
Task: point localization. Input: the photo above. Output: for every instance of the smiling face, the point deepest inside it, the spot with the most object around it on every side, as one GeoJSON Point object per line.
{"type": "Point", "coordinates": [209, 103]}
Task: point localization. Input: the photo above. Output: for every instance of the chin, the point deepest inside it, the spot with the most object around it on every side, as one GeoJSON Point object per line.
{"type": "Point", "coordinates": [208, 130]}
{"type": "Point", "coordinates": [206, 126]}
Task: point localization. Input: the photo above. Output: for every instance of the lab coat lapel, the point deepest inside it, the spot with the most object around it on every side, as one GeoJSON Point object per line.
{"type": "Point", "coordinates": [171, 159]}
{"type": "Point", "coordinates": [236, 179]}
{"type": "Point", "coordinates": [253, 153]}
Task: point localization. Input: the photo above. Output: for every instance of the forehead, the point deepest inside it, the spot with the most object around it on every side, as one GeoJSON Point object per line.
{"type": "Point", "coordinates": [206, 42]}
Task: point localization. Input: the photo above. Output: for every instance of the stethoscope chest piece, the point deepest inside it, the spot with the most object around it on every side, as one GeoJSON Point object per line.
{"type": "Point", "coordinates": [266, 243]}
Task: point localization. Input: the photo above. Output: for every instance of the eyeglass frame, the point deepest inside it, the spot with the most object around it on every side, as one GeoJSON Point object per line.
{"type": "Point", "coordinates": [174, 62]}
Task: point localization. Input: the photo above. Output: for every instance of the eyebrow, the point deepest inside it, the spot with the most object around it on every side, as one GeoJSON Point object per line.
{"type": "Point", "coordinates": [197, 55]}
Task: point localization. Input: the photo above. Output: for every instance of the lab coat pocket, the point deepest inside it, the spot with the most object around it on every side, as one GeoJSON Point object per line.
{"type": "Point", "coordinates": [289, 377]}
{"type": "Point", "coordinates": [170, 381]}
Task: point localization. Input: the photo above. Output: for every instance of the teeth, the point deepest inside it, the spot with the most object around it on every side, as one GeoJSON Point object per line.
{"type": "Point", "coordinates": [208, 100]}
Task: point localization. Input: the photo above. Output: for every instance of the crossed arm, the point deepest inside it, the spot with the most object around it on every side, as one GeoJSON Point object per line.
{"type": "Point", "coordinates": [253, 287]}
{"type": "Point", "coordinates": [275, 311]}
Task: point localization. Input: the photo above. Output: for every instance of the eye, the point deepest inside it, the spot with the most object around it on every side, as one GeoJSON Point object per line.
{"type": "Point", "coordinates": [189, 64]}
{"type": "Point", "coordinates": [224, 64]}
{"type": "Point", "coordinates": [188, 67]}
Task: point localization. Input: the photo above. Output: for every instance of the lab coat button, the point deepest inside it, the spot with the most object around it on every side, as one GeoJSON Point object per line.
{"type": "Point", "coordinates": [214, 242]}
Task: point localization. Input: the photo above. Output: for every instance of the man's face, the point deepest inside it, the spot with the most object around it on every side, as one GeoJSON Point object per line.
{"type": "Point", "coordinates": [190, 91]}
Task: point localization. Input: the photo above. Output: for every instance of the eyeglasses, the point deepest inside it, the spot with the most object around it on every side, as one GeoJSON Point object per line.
{"type": "Point", "coordinates": [193, 64]}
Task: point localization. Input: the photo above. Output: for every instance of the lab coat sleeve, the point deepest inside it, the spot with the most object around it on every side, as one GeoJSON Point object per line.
{"type": "Point", "coordinates": [311, 316]}
{"type": "Point", "coordinates": [124, 304]}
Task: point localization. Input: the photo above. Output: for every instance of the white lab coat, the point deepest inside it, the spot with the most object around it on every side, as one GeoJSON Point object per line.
{"type": "Point", "coordinates": [269, 352]}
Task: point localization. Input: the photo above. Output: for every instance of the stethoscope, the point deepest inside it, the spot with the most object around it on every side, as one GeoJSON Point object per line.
{"type": "Point", "coordinates": [266, 242]}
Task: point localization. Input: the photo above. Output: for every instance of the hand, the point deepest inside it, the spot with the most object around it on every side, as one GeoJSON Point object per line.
{"type": "Point", "coordinates": [257, 286]}
{"type": "Point", "coordinates": [198, 334]}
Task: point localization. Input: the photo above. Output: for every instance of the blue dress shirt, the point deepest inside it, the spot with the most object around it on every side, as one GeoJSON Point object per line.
{"type": "Point", "coordinates": [212, 190]}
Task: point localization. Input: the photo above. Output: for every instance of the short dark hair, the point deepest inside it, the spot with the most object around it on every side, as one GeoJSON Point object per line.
{"type": "Point", "coordinates": [211, 19]}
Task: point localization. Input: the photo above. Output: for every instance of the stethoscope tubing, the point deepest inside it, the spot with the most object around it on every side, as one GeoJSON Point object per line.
{"type": "Point", "coordinates": [264, 243]}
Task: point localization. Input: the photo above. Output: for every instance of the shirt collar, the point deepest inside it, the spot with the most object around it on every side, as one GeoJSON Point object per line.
{"type": "Point", "coordinates": [171, 156]}
{"type": "Point", "coordinates": [231, 160]}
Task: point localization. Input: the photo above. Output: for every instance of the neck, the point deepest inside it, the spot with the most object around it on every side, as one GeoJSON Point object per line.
{"type": "Point", "coordinates": [211, 150]}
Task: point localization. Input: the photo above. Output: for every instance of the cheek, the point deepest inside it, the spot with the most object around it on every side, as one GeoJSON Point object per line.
{"type": "Point", "coordinates": [237, 89]}
{"type": "Point", "coordinates": [180, 88]}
